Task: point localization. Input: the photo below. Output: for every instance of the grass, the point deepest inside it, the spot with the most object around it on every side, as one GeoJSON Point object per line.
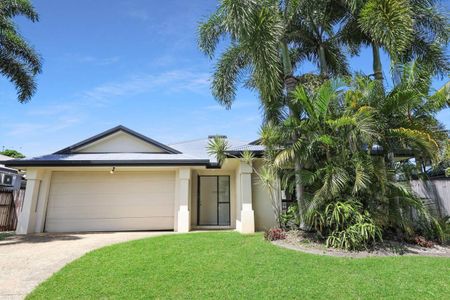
{"type": "Point", "coordinates": [227, 265]}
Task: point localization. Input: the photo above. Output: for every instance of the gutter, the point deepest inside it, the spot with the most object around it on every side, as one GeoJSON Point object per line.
{"type": "Point", "coordinates": [96, 163]}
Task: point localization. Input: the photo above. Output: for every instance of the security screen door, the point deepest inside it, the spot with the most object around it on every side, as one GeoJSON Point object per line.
{"type": "Point", "coordinates": [213, 201]}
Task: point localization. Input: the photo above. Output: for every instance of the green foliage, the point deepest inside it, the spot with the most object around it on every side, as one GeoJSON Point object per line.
{"type": "Point", "coordinates": [346, 225]}
{"type": "Point", "coordinates": [388, 21]}
{"type": "Point", "coordinates": [19, 62]}
{"type": "Point", "coordinates": [338, 129]}
{"type": "Point", "coordinates": [12, 153]}
{"type": "Point", "coordinates": [256, 30]}
{"type": "Point", "coordinates": [217, 147]}
{"type": "Point", "coordinates": [445, 225]}
{"type": "Point", "coordinates": [339, 139]}
{"type": "Point", "coordinates": [290, 218]}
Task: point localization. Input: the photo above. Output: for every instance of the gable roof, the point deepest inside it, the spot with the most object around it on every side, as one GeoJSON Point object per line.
{"type": "Point", "coordinates": [192, 153]}
{"type": "Point", "coordinates": [111, 131]}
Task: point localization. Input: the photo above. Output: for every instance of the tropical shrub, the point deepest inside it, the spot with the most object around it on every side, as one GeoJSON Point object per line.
{"type": "Point", "coordinates": [346, 225]}
{"type": "Point", "coordinates": [445, 225]}
{"type": "Point", "coordinates": [274, 234]}
{"type": "Point", "coordinates": [290, 218]}
{"type": "Point", "coordinates": [350, 132]}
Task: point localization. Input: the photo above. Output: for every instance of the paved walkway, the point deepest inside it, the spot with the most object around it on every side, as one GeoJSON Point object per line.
{"type": "Point", "coordinates": [26, 261]}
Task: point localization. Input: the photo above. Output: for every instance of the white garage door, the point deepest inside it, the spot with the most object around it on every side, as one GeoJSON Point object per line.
{"type": "Point", "coordinates": [99, 201]}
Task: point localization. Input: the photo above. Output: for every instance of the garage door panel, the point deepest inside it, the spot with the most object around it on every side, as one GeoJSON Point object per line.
{"type": "Point", "coordinates": [149, 183]}
{"type": "Point", "coordinates": [99, 201]}
{"type": "Point", "coordinates": [75, 200]}
{"type": "Point", "coordinates": [71, 225]}
{"type": "Point", "coordinates": [98, 211]}
{"type": "Point", "coordinates": [118, 176]}
{"type": "Point", "coordinates": [112, 186]}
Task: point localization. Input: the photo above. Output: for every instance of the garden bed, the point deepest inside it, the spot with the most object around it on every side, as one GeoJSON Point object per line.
{"type": "Point", "coordinates": [295, 240]}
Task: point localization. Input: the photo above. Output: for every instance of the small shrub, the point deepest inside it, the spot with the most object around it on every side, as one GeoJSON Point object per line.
{"type": "Point", "coordinates": [346, 226]}
{"type": "Point", "coordinates": [445, 225]}
{"type": "Point", "coordinates": [423, 242]}
{"type": "Point", "coordinates": [290, 219]}
{"type": "Point", "coordinates": [274, 234]}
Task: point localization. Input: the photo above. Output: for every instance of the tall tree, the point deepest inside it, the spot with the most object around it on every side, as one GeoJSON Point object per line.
{"type": "Point", "coordinates": [258, 55]}
{"type": "Point", "coordinates": [262, 36]}
{"type": "Point", "coordinates": [315, 33]}
{"type": "Point", "coordinates": [19, 62]}
{"type": "Point", "coordinates": [406, 30]}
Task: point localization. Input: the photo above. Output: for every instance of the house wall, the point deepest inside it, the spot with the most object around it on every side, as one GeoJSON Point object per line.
{"type": "Point", "coordinates": [120, 142]}
{"type": "Point", "coordinates": [263, 205]}
{"type": "Point", "coordinates": [242, 204]}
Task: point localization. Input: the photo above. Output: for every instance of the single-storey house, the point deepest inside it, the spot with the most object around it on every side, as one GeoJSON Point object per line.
{"type": "Point", "coordinates": [121, 180]}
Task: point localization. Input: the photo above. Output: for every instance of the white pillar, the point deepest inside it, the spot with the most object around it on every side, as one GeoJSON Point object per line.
{"type": "Point", "coordinates": [247, 224]}
{"type": "Point", "coordinates": [42, 201]}
{"type": "Point", "coordinates": [26, 220]}
{"type": "Point", "coordinates": [184, 195]}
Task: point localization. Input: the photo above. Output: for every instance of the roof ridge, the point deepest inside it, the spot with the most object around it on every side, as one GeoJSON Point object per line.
{"type": "Point", "coordinates": [187, 141]}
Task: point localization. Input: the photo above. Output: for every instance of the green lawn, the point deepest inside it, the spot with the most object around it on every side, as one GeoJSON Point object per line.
{"type": "Point", "coordinates": [227, 265]}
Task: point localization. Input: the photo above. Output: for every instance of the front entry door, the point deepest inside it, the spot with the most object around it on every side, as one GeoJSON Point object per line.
{"type": "Point", "coordinates": [213, 201]}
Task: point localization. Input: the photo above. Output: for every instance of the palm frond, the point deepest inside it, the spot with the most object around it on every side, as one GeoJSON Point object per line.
{"type": "Point", "coordinates": [389, 22]}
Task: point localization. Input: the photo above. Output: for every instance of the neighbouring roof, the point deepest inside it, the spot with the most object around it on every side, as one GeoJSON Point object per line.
{"type": "Point", "coordinates": [192, 152]}
{"type": "Point", "coordinates": [4, 158]}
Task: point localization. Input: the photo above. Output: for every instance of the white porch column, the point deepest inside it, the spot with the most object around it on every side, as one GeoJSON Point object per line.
{"type": "Point", "coordinates": [26, 220]}
{"type": "Point", "coordinates": [184, 195]}
{"type": "Point", "coordinates": [42, 201]}
{"type": "Point", "coordinates": [247, 214]}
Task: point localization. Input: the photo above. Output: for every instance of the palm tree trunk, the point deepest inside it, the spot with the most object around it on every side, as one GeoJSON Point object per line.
{"type": "Point", "coordinates": [290, 83]}
{"type": "Point", "coordinates": [377, 67]}
{"type": "Point", "coordinates": [323, 62]}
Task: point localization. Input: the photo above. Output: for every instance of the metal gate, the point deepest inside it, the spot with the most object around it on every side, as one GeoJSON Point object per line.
{"type": "Point", "coordinates": [10, 204]}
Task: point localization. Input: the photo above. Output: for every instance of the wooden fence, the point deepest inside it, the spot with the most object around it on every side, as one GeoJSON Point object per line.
{"type": "Point", "coordinates": [10, 205]}
{"type": "Point", "coordinates": [436, 193]}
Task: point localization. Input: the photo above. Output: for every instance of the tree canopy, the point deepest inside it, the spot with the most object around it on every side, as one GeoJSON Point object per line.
{"type": "Point", "coordinates": [19, 62]}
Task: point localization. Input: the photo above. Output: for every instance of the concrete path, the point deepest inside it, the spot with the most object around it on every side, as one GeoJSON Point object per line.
{"type": "Point", "coordinates": [26, 261]}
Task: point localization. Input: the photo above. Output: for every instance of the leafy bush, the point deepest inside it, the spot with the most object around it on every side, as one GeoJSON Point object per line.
{"type": "Point", "coordinates": [274, 234]}
{"type": "Point", "coordinates": [445, 225]}
{"type": "Point", "coordinates": [290, 219]}
{"type": "Point", "coordinates": [345, 225]}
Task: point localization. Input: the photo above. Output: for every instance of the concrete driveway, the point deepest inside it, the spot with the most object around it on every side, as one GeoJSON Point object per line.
{"type": "Point", "coordinates": [26, 261]}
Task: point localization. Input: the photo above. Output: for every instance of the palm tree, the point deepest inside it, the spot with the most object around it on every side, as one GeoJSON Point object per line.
{"type": "Point", "coordinates": [260, 56]}
{"type": "Point", "coordinates": [406, 30]}
{"type": "Point", "coordinates": [316, 36]}
{"type": "Point", "coordinates": [346, 175]}
{"type": "Point", "coordinates": [18, 60]}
